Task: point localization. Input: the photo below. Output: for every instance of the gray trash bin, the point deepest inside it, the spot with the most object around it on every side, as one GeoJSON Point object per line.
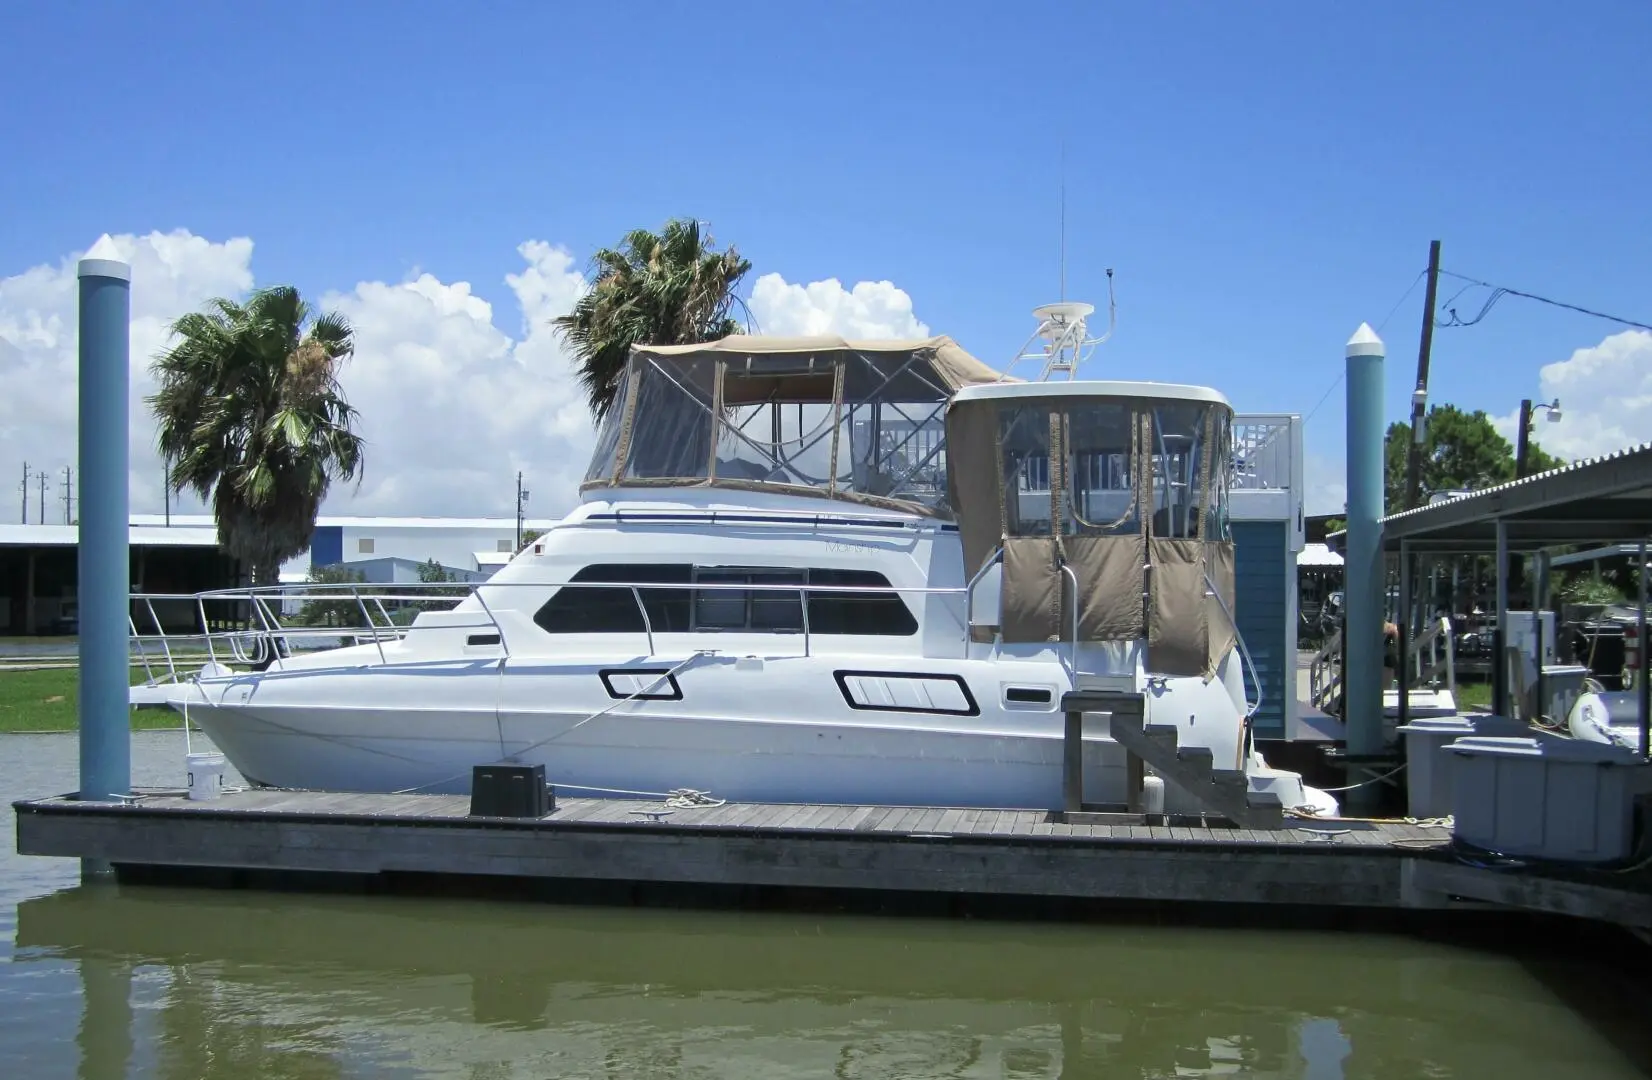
{"type": "Point", "coordinates": [1550, 798]}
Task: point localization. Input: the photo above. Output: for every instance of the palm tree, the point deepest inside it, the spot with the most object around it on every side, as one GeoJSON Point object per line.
{"type": "Point", "coordinates": [250, 415]}
{"type": "Point", "coordinates": [669, 288]}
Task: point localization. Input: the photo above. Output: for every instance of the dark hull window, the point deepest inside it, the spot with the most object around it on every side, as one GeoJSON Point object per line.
{"type": "Point", "coordinates": [575, 610]}
{"type": "Point", "coordinates": [587, 610]}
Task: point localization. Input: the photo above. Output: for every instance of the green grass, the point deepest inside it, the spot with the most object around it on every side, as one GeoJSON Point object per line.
{"type": "Point", "coordinates": [1473, 695]}
{"type": "Point", "coordinates": [49, 701]}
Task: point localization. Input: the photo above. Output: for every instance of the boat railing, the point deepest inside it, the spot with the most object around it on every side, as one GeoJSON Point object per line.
{"type": "Point", "coordinates": [251, 627]}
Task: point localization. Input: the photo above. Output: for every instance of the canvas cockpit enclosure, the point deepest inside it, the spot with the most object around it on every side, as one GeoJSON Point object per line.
{"type": "Point", "coordinates": [822, 416]}
{"type": "Point", "coordinates": [1107, 506]}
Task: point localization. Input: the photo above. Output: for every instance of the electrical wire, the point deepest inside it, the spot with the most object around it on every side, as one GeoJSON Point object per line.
{"type": "Point", "coordinates": [1406, 295]}
{"type": "Point", "coordinates": [1500, 291]}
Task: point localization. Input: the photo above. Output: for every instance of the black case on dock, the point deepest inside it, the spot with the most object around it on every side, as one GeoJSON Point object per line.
{"type": "Point", "coordinates": [509, 789]}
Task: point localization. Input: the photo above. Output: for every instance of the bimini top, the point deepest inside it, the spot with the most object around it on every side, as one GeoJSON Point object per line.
{"type": "Point", "coordinates": [816, 416]}
{"type": "Point", "coordinates": [947, 359]}
{"type": "Point", "coordinates": [1096, 388]}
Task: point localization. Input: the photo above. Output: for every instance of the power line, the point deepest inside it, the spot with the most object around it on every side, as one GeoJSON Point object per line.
{"type": "Point", "coordinates": [1406, 295]}
{"type": "Point", "coordinates": [1500, 291]}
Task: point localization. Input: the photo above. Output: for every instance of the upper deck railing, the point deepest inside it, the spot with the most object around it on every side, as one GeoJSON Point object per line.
{"type": "Point", "coordinates": [1266, 452]}
{"type": "Point", "coordinates": [383, 615]}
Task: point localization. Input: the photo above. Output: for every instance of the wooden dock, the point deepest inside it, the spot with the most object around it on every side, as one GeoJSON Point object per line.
{"type": "Point", "coordinates": [586, 845]}
{"type": "Point", "coordinates": [933, 850]}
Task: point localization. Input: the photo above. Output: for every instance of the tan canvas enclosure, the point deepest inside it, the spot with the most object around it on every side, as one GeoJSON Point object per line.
{"type": "Point", "coordinates": [973, 479]}
{"type": "Point", "coordinates": [861, 421]}
{"type": "Point", "coordinates": [1032, 605]}
{"type": "Point", "coordinates": [1111, 570]}
{"type": "Point", "coordinates": [1223, 632]}
{"type": "Point", "coordinates": [1124, 493]}
{"type": "Point", "coordinates": [1178, 630]}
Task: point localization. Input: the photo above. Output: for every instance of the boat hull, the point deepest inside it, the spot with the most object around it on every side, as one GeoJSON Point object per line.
{"type": "Point", "coordinates": [780, 730]}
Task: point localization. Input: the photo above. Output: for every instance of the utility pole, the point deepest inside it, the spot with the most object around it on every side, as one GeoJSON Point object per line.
{"type": "Point", "coordinates": [1522, 441]}
{"type": "Point", "coordinates": [521, 502]}
{"type": "Point", "coordinates": [25, 518]}
{"type": "Point", "coordinates": [68, 494]}
{"type": "Point", "coordinates": [1419, 397]}
{"type": "Point", "coordinates": [41, 476]}
{"type": "Point", "coordinates": [166, 490]}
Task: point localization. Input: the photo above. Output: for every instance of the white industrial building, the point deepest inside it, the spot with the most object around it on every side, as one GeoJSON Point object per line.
{"type": "Point", "coordinates": [391, 549]}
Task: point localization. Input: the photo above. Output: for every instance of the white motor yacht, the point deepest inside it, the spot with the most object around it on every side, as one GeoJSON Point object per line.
{"type": "Point", "coordinates": [803, 570]}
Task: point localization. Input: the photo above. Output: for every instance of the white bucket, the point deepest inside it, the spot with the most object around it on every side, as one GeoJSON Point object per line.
{"type": "Point", "coordinates": [206, 776]}
{"type": "Point", "coordinates": [1152, 794]}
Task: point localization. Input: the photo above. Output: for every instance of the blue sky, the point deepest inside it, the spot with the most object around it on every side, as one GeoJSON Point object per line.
{"type": "Point", "coordinates": [1262, 176]}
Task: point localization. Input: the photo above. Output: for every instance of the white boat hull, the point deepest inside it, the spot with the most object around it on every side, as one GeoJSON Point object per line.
{"type": "Point", "coordinates": [781, 732]}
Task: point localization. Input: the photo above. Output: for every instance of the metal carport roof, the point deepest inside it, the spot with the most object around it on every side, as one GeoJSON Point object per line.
{"type": "Point", "coordinates": [1600, 501]}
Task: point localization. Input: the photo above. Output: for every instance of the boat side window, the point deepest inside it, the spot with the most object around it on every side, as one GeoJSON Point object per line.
{"type": "Point", "coordinates": [1024, 434]}
{"type": "Point", "coordinates": [590, 610]}
{"type": "Point", "coordinates": [1178, 455]}
{"type": "Point", "coordinates": [593, 610]}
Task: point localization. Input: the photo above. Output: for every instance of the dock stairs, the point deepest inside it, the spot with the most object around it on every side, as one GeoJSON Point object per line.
{"type": "Point", "coordinates": [1223, 792]}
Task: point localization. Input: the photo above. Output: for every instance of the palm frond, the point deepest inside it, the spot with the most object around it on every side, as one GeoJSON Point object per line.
{"type": "Point", "coordinates": [664, 288]}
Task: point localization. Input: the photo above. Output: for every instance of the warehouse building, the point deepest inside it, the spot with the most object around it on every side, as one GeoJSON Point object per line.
{"type": "Point", "coordinates": [39, 566]}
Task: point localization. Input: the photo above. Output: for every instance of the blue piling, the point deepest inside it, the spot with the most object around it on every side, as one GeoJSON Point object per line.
{"type": "Point", "coordinates": [1362, 571]}
{"type": "Point", "coordinates": [105, 358]}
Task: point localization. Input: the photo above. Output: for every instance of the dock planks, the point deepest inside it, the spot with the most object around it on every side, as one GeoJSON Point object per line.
{"type": "Point", "coordinates": [1030, 853]}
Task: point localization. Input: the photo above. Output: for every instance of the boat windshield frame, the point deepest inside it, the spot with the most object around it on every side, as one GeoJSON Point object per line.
{"type": "Point", "coordinates": [863, 422]}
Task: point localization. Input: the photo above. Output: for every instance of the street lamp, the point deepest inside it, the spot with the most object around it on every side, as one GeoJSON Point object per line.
{"type": "Point", "coordinates": [1522, 445]}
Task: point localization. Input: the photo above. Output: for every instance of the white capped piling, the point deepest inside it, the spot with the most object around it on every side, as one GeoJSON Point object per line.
{"type": "Point", "coordinates": [104, 357]}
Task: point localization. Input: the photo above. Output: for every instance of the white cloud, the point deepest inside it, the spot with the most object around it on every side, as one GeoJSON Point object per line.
{"type": "Point", "coordinates": [171, 273]}
{"type": "Point", "coordinates": [870, 310]}
{"type": "Point", "coordinates": [451, 404]}
{"type": "Point", "coordinates": [1605, 394]}
{"type": "Point", "coordinates": [452, 407]}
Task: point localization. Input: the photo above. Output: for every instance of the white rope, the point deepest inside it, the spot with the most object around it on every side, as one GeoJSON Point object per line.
{"type": "Point", "coordinates": [642, 692]}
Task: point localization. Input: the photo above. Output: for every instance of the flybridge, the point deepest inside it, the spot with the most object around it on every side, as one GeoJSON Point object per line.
{"type": "Point", "coordinates": [862, 422]}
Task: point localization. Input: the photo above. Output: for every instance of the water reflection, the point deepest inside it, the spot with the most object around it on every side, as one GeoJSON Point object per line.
{"type": "Point", "coordinates": [243, 984]}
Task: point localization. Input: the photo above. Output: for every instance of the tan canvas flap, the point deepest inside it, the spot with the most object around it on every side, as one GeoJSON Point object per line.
{"type": "Point", "coordinates": [1178, 637]}
{"type": "Point", "coordinates": [1223, 633]}
{"type": "Point", "coordinates": [1110, 573]}
{"type": "Point", "coordinates": [1030, 598]}
{"type": "Point", "coordinates": [973, 479]}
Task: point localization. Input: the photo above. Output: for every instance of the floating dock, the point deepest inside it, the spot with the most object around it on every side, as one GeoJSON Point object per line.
{"type": "Point", "coordinates": [911, 849]}
{"type": "Point", "coordinates": [414, 840]}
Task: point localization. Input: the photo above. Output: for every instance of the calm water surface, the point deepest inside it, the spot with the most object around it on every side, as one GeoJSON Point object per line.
{"type": "Point", "coordinates": [114, 982]}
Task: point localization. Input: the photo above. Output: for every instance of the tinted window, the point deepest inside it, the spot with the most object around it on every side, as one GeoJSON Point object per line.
{"type": "Point", "coordinates": [576, 610]}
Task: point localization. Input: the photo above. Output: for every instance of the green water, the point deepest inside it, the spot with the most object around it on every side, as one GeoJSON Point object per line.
{"type": "Point", "coordinates": [142, 982]}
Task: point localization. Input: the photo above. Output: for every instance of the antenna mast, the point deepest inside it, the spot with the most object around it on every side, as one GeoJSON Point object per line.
{"type": "Point", "coordinates": [1062, 340]}
{"type": "Point", "coordinates": [1063, 294]}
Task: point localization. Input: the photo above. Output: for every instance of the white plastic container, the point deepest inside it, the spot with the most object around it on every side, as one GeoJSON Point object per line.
{"type": "Point", "coordinates": [1152, 794]}
{"type": "Point", "coordinates": [1428, 766]}
{"type": "Point", "coordinates": [1562, 799]}
{"type": "Point", "coordinates": [206, 776]}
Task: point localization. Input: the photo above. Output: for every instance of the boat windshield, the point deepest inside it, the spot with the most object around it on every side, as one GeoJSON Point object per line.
{"type": "Point", "coordinates": [858, 421]}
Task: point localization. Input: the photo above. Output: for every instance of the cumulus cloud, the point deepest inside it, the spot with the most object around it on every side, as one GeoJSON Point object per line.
{"type": "Point", "coordinates": [455, 395]}
{"type": "Point", "coordinates": [1605, 394]}
{"type": "Point", "coordinates": [871, 309]}
{"type": "Point", "coordinates": [452, 407]}
{"type": "Point", "coordinates": [171, 273]}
